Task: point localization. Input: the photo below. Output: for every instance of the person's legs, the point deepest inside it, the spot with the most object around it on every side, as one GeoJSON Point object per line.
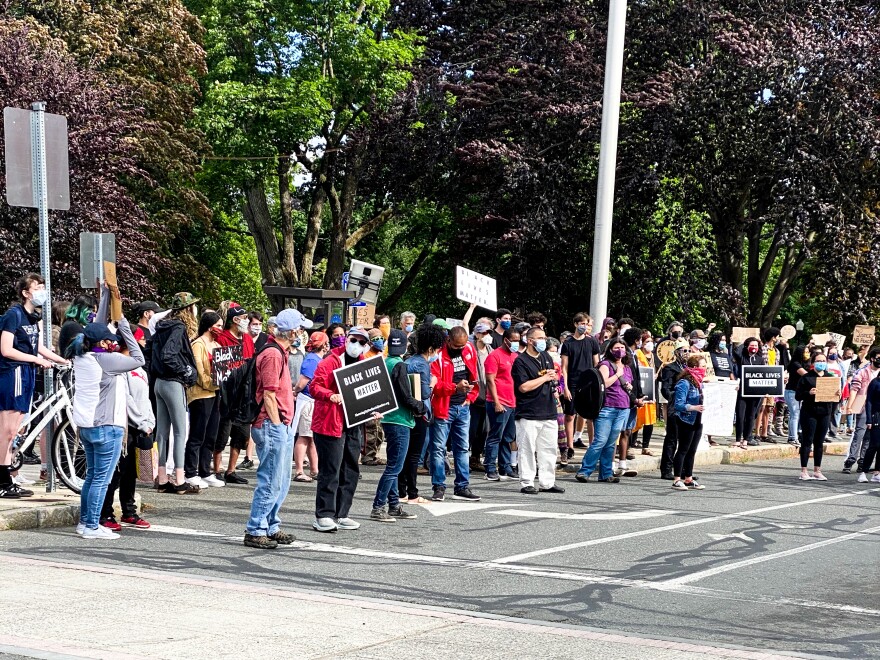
{"type": "Point", "coordinates": [686, 434]}
{"type": "Point", "coordinates": [493, 439]}
{"type": "Point", "coordinates": [349, 472]}
{"type": "Point", "coordinates": [437, 452]}
{"type": "Point", "coordinates": [526, 437]}
{"type": "Point", "coordinates": [822, 427]}
{"type": "Point", "coordinates": [220, 442]}
{"type": "Point", "coordinates": [687, 470]}
{"type": "Point", "coordinates": [107, 507]}
{"type": "Point", "coordinates": [508, 437]}
{"type": "Point", "coordinates": [545, 450]}
{"type": "Point", "coordinates": [603, 426]}
{"type": "Point", "coordinates": [106, 445]}
{"type": "Point", "coordinates": [163, 426]}
{"type": "Point", "coordinates": [268, 440]}
{"type": "Point", "coordinates": [206, 452]}
{"type": "Point", "coordinates": [808, 432]}
{"type": "Point", "coordinates": [239, 436]}
{"type": "Point", "coordinates": [330, 451]}
{"type": "Point", "coordinates": [199, 416]}
{"type": "Point", "coordinates": [606, 460]}
{"type": "Point", "coordinates": [407, 481]}
{"type": "Point", "coordinates": [460, 416]}
{"type": "Point", "coordinates": [300, 448]}
{"type": "Point", "coordinates": [173, 394]}
{"type": "Point", "coordinates": [128, 479]}
{"type": "Point", "coordinates": [872, 453]}
{"type": "Point", "coordinates": [477, 434]}
{"type": "Point", "coordinates": [670, 442]}
{"type": "Point", "coordinates": [857, 444]}
{"type": "Point", "coordinates": [397, 444]}
{"type": "Point", "coordinates": [647, 434]}
{"type": "Point", "coordinates": [282, 474]}
{"type": "Point", "coordinates": [794, 414]}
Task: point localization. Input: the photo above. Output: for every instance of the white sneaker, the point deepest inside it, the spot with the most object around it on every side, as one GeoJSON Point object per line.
{"type": "Point", "coordinates": [818, 476]}
{"type": "Point", "coordinates": [875, 479]}
{"type": "Point", "coordinates": [347, 523]}
{"type": "Point", "coordinates": [197, 481]}
{"type": "Point", "coordinates": [863, 478]}
{"type": "Point", "coordinates": [100, 533]}
{"type": "Point", "coordinates": [80, 528]}
{"type": "Point", "coordinates": [805, 477]}
{"type": "Point", "coordinates": [325, 525]}
{"type": "Point", "coordinates": [212, 480]}
{"type": "Point", "coordinates": [22, 480]}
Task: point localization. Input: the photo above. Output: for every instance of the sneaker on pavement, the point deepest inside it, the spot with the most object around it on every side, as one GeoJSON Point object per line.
{"type": "Point", "coordinates": [493, 476]}
{"type": "Point", "coordinates": [805, 477]}
{"type": "Point", "coordinates": [579, 444]}
{"type": "Point", "coordinates": [246, 464]}
{"type": "Point", "coordinates": [847, 470]}
{"type": "Point", "coordinates": [135, 521]}
{"type": "Point", "coordinates": [507, 477]}
{"type": "Point", "coordinates": [553, 489]}
{"type": "Point", "coordinates": [630, 472]}
{"type": "Point", "coordinates": [398, 512]}
{"type": "Point", "coordinates": [325, 525]}
{"type": "Point", "coordinates": [863, 478]}
{"type": "Point", "coordinates": [381, 515]}
{"type": "Point", "coordinates": [9, 492]}
{"type": "Point", "coordinates": [583, 478]}
{"type": "Point", "coordinates": [213, 482]}
{"type": "Point", "coordinates": [695, 485]}
{"type": "Point", "coordinates": [197, 481]}
{"type": "Point", "coordinates": [439, 494]}
{"type": "Point", "coordinates": [15, 491]}
{"type": "Point", "coordinates": [609, 480]}
{"type": "Point", "coordinates": [261, 542]}
{"type": "Point", "coordinates": [875, 479]}
{"type": "Point", "coordinates": [30, 458]}
{"type": "Point", "coordinates": [22, 480]}
{"type": "Point", "coordinates": [221, 476]}
{"type": "Point", "coordinates": [44, 474]}
{"type": "Point", "coordinates": [528, 490]}
{"type": "Point", "coordinates": [569, 453]}
{"type": "Point", "coordinates": [818, 476]}
{"type": "Point", "coordinates": [466, 495]}
{"type": "Point", "coordinates": [100, 533]}
{"type": "Point", "coordinates": [185, 488]}
{"type": "Point", "coordinates": [477, 467]}
{"type": "Point", "coordinates": [80, 528]}
{"type": "Point", "coordinates": [678, 484]}
{"type": "Point", "coordinates": [347, 523]}
{"type": "Point", "coordinates": [282, 538]}
{"type": "Point", "coordinates": [111, 524]}
{"type": "Point", "coordinates": [233, 478]}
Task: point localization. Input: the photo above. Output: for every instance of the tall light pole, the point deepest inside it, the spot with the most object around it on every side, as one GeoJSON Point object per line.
{"type": "Point", "coordinates": [608, 159]}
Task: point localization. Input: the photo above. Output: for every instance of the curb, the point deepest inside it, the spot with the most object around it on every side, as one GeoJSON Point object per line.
{"type": "Point", "coordinates": [50, 515]}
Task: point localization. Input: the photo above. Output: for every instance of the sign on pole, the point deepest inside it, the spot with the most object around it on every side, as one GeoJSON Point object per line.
{"type": "Point", "coordinates": [762, 380]}
{"type": "Point", "coordinates": [366, 389]}
{"type": "Point", "coordinates": [472, 287]}
{"type": "Point", "coordinates": [94, 251]}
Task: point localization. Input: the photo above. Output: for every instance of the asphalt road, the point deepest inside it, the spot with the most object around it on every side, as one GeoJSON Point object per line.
{"type": "Point", "coordinates": [758, 559]}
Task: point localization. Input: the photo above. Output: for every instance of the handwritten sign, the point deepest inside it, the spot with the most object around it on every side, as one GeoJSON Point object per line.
{"type": "Point", "coordinates": [739, 335]}
{"type": "Point", "coordinates": [666, 351]}
{"type": "Point", "coordinates": [787, 332]}
{"type": "Point", "coordinates": [827, 390]}
{"type": "Point", "coordinates": [838, 339]}
{"type": "Point", "coordinates": [224, 360]}
{"type": "Point", "coordinates": [472, 287]}
{"type": "Point", "coordinates": [719, 406]}
{"type": "Point", "coordinates": [113, 285]}
{"type": "Point", "coordinates": [454, 323]}
{"type": "Point", "coordinates": [864, 335]}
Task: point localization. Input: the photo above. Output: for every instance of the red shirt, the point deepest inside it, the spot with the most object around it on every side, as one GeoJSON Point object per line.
{"type": "Point", "coordinates": [273, 375]}
{"type": "Point", "coordinates": [226, 338]}
{"type": "Point", "coordinates": [500, 362]}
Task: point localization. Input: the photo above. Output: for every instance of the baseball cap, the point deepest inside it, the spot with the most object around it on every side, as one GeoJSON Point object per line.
{"type": "Point", "coordinates": [441, 323]}
{"type": "Point", "coordinates": [698, 334]}
{"type": "Point", "coordinates": [235, 310]}
{"type": "Point", "coordinates": [482, 327]}
{"type": "Point", "coordinates": [291, 319]}
{"type": "Point", "coordinates": [358, 332]}
{"type": "Point", "coordinates": [182, 300]}
{"type": "Point", "coordinates": [146, 306]}
{"type": "Point", "coordinates": [397, 342]}
{"type": "Point", "coordinates": [682, 344]}
{"type": "Point", "coordinates": [96, 332]}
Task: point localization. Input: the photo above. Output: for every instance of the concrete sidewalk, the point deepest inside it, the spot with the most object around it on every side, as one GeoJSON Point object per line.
{"type": "Point", "coordinates": [167, 614]}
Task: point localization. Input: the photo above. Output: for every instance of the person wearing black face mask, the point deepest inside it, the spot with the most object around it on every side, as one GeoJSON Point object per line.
{"type": "Point", "coordinates": [747, 408]}
{"type": "Point", "coordinates": [857, 399]}
{"type": "Point", "coordinates": [668, 377]}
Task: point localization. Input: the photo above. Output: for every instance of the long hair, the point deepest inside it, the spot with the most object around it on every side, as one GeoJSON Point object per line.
{"type": "Point", "coordinates": [78, 347]}
{"type": "Point", "coordinates": [206, 323]}
{"type": "Point", "coordinates": [189, 320]}
{"type": "Point", "coordinates": [692, 361]}
{"type": "Point", "coordinates": [609, 357]}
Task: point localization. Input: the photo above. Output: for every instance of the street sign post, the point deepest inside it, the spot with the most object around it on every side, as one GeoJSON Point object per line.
{"type": "Point", "coordinates": [37, 176]}
{"type": "Point", "coordinates": [94, 250]}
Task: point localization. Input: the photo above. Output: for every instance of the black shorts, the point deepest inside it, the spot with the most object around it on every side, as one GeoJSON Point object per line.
{"type": "Point", "coordinates": [568, 406]}
{"type": "Point", "coordinates": [236, 435]}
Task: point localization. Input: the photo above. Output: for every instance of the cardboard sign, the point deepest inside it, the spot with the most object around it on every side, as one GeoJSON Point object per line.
{"type": "Point", "coordinates": [762, 380]}
{"type": "Point", "coordinates": [839, 339]}
{"type": "Point", "coordinates": [472, 287]}
{"type": "Point", "coordinates": [224, 360]}
{"type": "Point", "coordinates": [415, 385]}
{"type": "Point", "coordinates": [787, 332]}
{"type": "Point", "coordinates": [366, 389]}
{"type": "Point", "coordinates": [666, 351]}
{"type": "Point", "coordinates": [864, 335]}
{"type": "Point", "coordinates": [739, 335]}
{"type": "Point", "coordinates": [646, 378]}
{"type": "Point", "coordinates": [821, 340]}
{"type": "Point", "coordinates": [113, 285]}
{"type": "Point", "coordinates": [827, 390]}
{"type": "Point", "coordinates": [719, 406]}
{"type": "Point", "coordinates": [454, 323]}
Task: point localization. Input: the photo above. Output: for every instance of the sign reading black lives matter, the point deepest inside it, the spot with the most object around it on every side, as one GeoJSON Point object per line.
{"type": "Point", "coordinates": [223, 360]}
{"type": "Point", "coordinates": [762, 380]}
{"type": "Point", "coordinates": [366, 389]}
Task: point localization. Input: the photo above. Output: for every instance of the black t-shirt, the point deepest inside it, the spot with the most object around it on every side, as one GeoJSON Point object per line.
{"type": "Point", "coordinates": [580, 354]}
{"type": "Point", "coordinates": [721, 364]}
{"type": "Point", "coordinates": [25, 330]}
{"type": "Point", "coordinates": [793, 376]}
{"type": "Point", "coordinates": [459, 373]}
{"type": "Point", "coordinates": [540, 403]}
{"type": "Point", "coordinates": [497, 340]}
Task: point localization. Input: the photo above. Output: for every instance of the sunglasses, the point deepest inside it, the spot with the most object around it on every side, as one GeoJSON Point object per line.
{"type": "Point", "coordinates": [358, 340]}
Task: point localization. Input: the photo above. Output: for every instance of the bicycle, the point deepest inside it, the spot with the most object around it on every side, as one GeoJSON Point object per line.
{"type": "Point", "coordinates": [68, 457]}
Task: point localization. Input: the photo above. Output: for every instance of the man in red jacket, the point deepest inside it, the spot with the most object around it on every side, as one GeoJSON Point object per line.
{"type": "Point", "coordinates": [339, 447]}
{"type": "Point", "coordinates": [456, 390]}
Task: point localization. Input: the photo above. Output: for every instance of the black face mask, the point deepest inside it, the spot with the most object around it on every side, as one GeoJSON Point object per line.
{"type": "Point", "coordinates": [454, 352]}
{"type": "Point", "coordinates": [876, 362]}
{"type": "Point", "coordinates": [676, 334]}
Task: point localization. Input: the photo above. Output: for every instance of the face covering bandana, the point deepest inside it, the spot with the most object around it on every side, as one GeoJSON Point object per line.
{"type": "Point", "coordinates": [336, 342]}
{"type": "Point", "coordinates": [699, 373]}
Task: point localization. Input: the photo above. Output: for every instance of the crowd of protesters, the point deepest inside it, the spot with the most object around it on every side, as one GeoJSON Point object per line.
{"type": "Point", "coordinates": [501, 399]}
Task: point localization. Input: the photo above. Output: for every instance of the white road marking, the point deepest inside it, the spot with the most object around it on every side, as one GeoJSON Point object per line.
{"type": "Point", "coordinates": [446, 508]}
{"type": "Point", "coordinates": [627, 515]}
{"type": "Point", "coordinates": [739, 535]}
{"type": "Point", "coordinates": [710, 572]}
{"type": "Point", "coordinates": [666, 528]}
{"type": "Point", "coordinates": [182, 531]}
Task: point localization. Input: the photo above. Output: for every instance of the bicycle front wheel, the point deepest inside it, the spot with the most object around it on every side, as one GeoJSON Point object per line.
{"type": "Point", "coordinates": [68, 456]}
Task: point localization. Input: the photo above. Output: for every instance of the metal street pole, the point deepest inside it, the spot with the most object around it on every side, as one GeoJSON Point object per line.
{"type": "Point", "coordinates": [41, 201]}
{"type": "Point", "coordinates": [608, 159]}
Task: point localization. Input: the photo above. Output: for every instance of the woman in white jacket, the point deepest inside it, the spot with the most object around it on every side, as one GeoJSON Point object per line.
{"type": "Point", "coordinates": [100, 413]}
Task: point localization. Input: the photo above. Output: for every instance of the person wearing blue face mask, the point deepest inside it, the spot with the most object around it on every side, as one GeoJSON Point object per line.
{"type": "Point", "coordinates": [722, 364]}
{"type": "Point", "coordinates": [407, 322]}
{"type": "Point", "coordinates": [502, 322]}
{"type": "Point", "coordinates": [815, 417]}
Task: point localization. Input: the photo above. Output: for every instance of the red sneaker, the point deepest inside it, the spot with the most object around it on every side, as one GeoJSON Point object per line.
{"type": "Point", "coordinates": [111, 524]}
{"type": "Point", "coordinates": [135, 521]}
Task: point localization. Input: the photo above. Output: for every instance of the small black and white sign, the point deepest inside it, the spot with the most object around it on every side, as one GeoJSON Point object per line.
{"type": "Point", "coordinates": [366, 389]}
{"type": "Point", "coordinates": [761, 381]}
{"type": "Point", "coordinates": [646, 378]}
{"type": "Point", "coordinates": [224, 361]}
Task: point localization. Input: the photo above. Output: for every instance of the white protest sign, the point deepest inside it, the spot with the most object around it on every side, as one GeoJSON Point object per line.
{"type": "Point", "coordinates": [839, 339]}
{"type": "Point", "coordinates": [472, 287]}
{"type": "Point", "coordinates": [454, 323]}
{"type": "Point", "coordinates": [719, 406]}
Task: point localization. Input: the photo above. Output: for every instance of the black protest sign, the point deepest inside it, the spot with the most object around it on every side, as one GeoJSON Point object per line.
{"type": "Point", "coordinates": [224, 360]}
{"type": "Point", "coordinates": [646, 378]}
{"type": "Point", "coordinates": [366, 389]}
{"type": "Point", "coordinates": [761, 381]}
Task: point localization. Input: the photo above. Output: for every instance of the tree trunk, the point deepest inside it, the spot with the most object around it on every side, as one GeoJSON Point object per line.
{"type": "Point", "coordinates": [288, 254]}
{"type": "Point", "coordinates": [313, 232]}
{"type": "Point", "coordinates": [259, 221]}
{"type": "Point", "coordinates": [342, 209]}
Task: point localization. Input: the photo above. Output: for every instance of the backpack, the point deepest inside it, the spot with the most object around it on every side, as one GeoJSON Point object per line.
{"type": "Point", "coordinates": [590, 397]}
{"type": "Point", "coordinates": [238, 393]}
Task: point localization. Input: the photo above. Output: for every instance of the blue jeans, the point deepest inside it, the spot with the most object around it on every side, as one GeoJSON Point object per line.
{"type": "Point", "coordinates": [396, 446]}
{"type": "Point", "coordinates": [102, 446]}
{"type": "Point", "coordinates": [502, 431]}
{"type": "Point", "coordinates": [456, 426]}
{"type": "Point", "coordinates": [794, 414]}
{"type": "Point", "coordinates": [608, 426]}
{"type": "Point", "coordinates": [274, 445]}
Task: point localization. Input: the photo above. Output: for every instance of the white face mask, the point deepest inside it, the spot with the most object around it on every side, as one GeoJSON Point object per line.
{"type": "Point", "coordinates": [700, 343]}
{"type": "Point", "coordinates": [255, 330]}
{"type": "Point", "coordinates": [354, 350]}
{"type": "Point", "coordinates": [242, 326]}
{"type": "Point", "coordinates": [648, 347]}
{"type": "Point", "coordinates": [39, 297]}
{"type": "Point", "coordinates": [486, 339]}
